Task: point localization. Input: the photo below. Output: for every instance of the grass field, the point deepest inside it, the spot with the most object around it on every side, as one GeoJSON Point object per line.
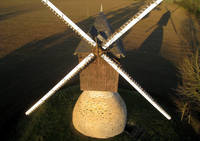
{"type": "Point", "coordinates": [36, 48]}
{"type": "Point", "coordinates": [53, 121]}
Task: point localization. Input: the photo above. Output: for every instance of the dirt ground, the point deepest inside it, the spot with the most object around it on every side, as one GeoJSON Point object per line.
{"type": "Point", "coordinates": [24, 21]}
{"type": "Point", "coordinates": [36, 48]}
{"type": "Point", "coordinates": [168, 31]}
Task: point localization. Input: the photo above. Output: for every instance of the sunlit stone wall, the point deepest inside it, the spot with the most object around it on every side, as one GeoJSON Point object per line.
{"type": "Point", "coordinates": [99, 114]}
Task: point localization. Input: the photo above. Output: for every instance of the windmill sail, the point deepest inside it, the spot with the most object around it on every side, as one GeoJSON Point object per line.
{"type": "Point", "coordinates": [70, 23]}
{"type": "Point", "coordinates": [72, 73]}
{"type": "Point", "coordinates": [136, 86]}
{"type": "Point", "coordinates": [130, 23]}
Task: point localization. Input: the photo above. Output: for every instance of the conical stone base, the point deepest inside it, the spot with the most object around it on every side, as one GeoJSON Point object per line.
{"type": "Point", "coordinates": [99, 114]}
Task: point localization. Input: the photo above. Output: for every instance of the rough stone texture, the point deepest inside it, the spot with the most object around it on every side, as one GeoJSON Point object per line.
{"type": "Point", "coordinates": [99, 114]}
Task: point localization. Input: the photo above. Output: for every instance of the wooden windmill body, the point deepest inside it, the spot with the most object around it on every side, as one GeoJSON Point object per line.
{"type": "Point", "coordinates": [100, 101]}
{"type": "Point", "coordinates": [99, 75]}
{"type": "Point", "coordinates": [100, 112]}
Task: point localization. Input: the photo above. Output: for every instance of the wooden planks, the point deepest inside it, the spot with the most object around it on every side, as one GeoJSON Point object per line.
{"type": "Point", "coordinates": [98, 76]}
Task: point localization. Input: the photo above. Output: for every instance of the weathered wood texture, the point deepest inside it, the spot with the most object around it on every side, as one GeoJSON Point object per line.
{"type": "Point", "coordinates": [98, 76]}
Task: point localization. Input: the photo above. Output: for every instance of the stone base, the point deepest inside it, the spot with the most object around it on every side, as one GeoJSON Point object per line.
{"type": "Point", "coordinates": [99, 114]}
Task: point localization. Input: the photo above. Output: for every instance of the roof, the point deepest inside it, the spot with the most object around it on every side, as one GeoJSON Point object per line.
{"type": "Point", "coordinates": [102, 27]}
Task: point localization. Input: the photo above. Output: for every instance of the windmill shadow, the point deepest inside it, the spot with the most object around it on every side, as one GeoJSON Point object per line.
{"type": "Point", "coordinates": [153, 42]}
{"type": "Point", "coordinates": [153, 72]}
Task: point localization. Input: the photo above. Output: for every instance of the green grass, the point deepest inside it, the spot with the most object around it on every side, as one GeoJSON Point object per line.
{"type": "Point", "coordinates": [52, 121]}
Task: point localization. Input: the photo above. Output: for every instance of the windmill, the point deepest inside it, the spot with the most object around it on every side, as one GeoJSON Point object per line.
{"type": "Point", "coordinates": [100, 111]}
